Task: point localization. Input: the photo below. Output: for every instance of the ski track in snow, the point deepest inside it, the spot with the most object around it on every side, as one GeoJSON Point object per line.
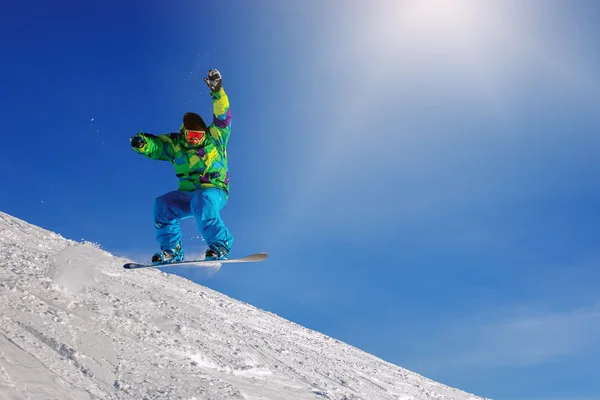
{"type": "Point", "coordinates": [75, 325]}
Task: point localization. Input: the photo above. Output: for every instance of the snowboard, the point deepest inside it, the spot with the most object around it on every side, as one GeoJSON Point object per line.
{"type": "Point", "coordinates": [202, 263]}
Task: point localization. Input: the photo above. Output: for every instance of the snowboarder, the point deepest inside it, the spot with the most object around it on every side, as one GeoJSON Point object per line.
{"type": "Point", "coordinates": [199, 155]}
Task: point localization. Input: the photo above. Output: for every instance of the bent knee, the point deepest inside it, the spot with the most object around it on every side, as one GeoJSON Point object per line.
{"type": "Point", "coordinates": [162, 200]}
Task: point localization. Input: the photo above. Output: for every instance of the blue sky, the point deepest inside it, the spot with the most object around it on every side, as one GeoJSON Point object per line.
{"type": "Point", "coordinates": [424, 174]}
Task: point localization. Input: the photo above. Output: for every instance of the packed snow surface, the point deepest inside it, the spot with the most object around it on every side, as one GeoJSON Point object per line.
{"type": "Point", "coordinates": [75, 325]}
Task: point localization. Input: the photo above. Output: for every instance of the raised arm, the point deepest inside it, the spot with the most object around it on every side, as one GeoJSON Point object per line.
{"type": "Point", "coordinates": [221, 125]}
{"type": "Point", "coordinates": [221, 111]}
{"type": "Point", "coordinates": [156, 147]}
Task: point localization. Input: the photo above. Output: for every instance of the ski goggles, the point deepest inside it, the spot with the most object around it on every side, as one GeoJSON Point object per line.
{"type": "Point", "coordinates": [193, 134]}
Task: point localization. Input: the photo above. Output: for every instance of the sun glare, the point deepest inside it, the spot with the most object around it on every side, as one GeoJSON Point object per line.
{"type": "Point", "coordinates": [416, 33]}
{"type": "Point", "coordinates": [442, 19]}
{"type": "Point", "coordinates": [447, 26]}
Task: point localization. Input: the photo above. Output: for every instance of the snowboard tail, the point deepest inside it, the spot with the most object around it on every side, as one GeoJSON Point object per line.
{"type": "Point", "coordinates": [202, 263]}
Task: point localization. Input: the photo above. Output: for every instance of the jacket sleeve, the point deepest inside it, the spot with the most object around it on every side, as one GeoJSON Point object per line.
{"type": "Point", "coordinates": [220, 129]}
{"type": "Point", "coordinates": [157, 147]}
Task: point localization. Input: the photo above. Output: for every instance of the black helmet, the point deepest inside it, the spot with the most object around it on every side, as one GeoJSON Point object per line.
{"type": "Point", "coordinates": [193, 121]}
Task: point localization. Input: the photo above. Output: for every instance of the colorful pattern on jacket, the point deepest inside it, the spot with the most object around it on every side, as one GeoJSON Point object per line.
{"type": "Point", "coordinates": [201, 166]}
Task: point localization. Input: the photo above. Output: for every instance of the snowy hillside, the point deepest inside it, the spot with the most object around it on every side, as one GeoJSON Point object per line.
{"type": "Point", "coordinates": [75, 325]}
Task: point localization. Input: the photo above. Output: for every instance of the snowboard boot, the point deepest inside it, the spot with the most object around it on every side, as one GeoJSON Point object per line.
{"type": "Point", "coordinates": [215, 253]}
{"type": "Point", "coordinates": [168, 256]}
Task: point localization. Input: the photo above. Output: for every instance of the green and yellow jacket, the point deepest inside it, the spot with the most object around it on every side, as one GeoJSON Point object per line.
{"type": "Point", "coordinates": [200, 166]}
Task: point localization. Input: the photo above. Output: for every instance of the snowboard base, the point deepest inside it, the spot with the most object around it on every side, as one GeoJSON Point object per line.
{"type": "Point", "coordinates": [202, 263]}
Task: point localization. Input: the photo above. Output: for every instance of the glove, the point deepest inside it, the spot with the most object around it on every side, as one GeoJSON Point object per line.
{"type": "Point", "coordinates": [138, 142]}
{"type": "Point", "coordinates": [214, 81]}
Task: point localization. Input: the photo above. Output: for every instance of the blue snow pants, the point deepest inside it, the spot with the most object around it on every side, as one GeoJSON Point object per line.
{"type": "Point", "coordinates": [203, 204]}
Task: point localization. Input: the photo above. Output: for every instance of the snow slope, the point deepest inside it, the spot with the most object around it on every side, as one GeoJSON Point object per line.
{"type": "Point", "coordinates": [75, 325]}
